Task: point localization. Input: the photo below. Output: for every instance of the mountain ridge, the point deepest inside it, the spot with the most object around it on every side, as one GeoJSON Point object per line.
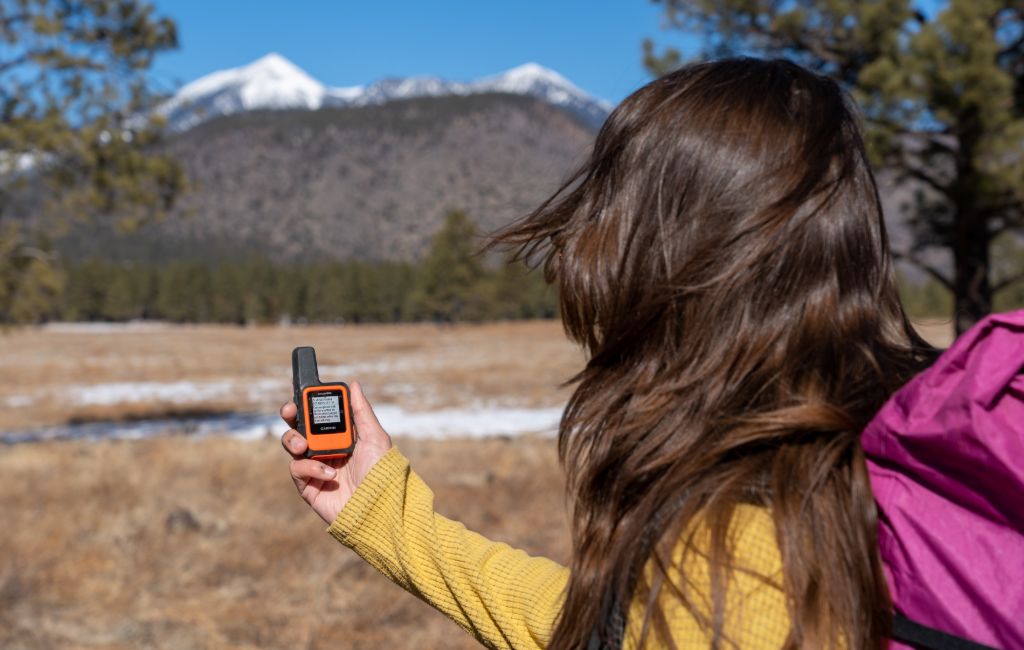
{"type": "Point", "coordinates": [370, 178]}
{"type": "Point", "coordinates": [351, 183]}
{"type": "Point", "coordinates": [272, 82]}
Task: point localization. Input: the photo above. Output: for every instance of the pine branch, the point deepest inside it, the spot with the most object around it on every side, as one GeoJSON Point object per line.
{"type": "Point", "coordinates": [923, 176]}
{"type": "Point", "coordinates": [1007, 282]}
{"type": "Point", "coordinates": [1013, 48]}
{"type": "Point", "coordinates": [816, 47]}
{"type": "Point", "coordinates": [9, 21]}
{"type": "Point", "coordinates": [26, 57]}
{"type": "Point", "coordinates": [924, 266]}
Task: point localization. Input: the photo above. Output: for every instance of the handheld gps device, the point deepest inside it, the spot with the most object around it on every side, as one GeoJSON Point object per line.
{"type": "Point", "coordinates": [324, 414]}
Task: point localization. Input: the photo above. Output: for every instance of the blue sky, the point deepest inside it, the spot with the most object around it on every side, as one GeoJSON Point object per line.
{"type": "Point", "coordinates": [343, 43]}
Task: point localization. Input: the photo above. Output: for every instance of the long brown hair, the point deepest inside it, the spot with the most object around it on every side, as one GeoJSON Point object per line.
{"type": "Point", "coordinates": [722, 257]}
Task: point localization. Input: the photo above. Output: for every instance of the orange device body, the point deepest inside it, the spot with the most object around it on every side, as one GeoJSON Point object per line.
{"type": "Point", "coordinates": [327, 420]}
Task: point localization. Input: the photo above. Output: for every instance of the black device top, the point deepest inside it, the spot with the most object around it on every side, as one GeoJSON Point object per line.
{"type": "Point", "coordinates": [304, 370]}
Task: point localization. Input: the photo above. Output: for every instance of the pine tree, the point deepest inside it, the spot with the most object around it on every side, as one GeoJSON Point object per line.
{"type": "Point", "coordinates": [447, 284]}
{"type": "Point", "coordinates": [227, 294]}
{"type": "Point", "coordinates": [511, 291]}
{"type": "Point", "coordinates": [184, 292]}
{"type": "Point", "coordinates": [327, 293]}
{"type": "Point", "coordinates": [86, 290]}
{"type": "Point", "coordinates": [72, 93]}
{"type": "Point", "coordinates": [395, 281]}
{"type": "Point", "coordinates": [942, 95]}
{"type": "Point", "coordinates": [30, 286]}
{"type": "Point", "coordinates": [126, 293]}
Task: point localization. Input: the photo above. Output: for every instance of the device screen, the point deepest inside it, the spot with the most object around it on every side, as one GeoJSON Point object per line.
{"type": "Point", "coordinates": [327, 413]}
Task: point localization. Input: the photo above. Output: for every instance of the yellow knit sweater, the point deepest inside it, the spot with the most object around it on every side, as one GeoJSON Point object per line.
{"type": "Point", "coordinates": [508, 599]}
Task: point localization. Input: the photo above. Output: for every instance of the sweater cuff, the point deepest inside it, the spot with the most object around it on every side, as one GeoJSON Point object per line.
{"type": "Point", "coordinates": [391, 468]}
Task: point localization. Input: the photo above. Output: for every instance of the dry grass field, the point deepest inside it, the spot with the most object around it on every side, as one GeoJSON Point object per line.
{"type": "Point", "coordinates": [185, 543]}
{"type": "Point", "coordinates": [179, 542]}
{"type": "Point", "coordinates": [116, 372]}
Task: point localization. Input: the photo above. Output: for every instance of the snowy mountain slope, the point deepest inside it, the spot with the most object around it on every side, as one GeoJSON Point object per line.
{"type": "Point", "coordinates": [386, 90]}
{"type": "Point", "coordinates": [270, 82]}
{"type": "Point", "coordinates": [273, 82]}
{"type": "Point", "coordinates": [537, 81]}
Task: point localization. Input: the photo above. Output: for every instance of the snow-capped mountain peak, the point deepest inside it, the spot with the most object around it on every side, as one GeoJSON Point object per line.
{"type": "Point", "coordinates": [274, 63]}
{"type": "Point", "coordinates": [527, 75]}
{"type": "Point", "coordinates": [273, 82]}
{"type": "Point", "coordinates": [535, 80]}
{"type": "Point", "coordinates": [270, 82]}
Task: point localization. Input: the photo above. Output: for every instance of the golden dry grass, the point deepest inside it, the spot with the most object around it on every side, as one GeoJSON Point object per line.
{"type": "Point", "coordinates": [188, 543]}
{"type": "Point", "coordinates": [185, 543]}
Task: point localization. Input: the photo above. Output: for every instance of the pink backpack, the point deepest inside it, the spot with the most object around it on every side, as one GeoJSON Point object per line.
{"type": "Point", "coordinates": [946, 459]}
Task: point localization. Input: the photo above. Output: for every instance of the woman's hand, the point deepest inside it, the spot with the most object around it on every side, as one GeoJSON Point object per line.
{"type": "Point", "coordinates": [327, 486]}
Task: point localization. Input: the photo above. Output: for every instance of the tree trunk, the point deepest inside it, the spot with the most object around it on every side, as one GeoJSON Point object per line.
{"type": "Point", "coordinates": [972, 290]}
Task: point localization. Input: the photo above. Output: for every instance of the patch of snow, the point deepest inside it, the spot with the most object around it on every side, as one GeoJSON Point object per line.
{"type": "Point", "coordinates": [176, 392]}
{"type": "Point", "coordinates": [105, 328]}
{"type": "Point", "coordinates": [19, 401]}
{"type": "Point", "coordinates": [472, 422]}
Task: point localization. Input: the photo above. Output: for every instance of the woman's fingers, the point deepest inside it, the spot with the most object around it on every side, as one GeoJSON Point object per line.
{"type": "Point", "coordinates": [294, 443]}
{"type": "Point", "coordinates": [288, 413]}
{"type": "Point", "coordinates": [366, 420]}
{"type": "Point", "coordinates": [307, 469]}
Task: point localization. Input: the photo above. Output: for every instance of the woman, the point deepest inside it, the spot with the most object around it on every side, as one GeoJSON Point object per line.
{"type": "Point", "coordinates": [722, 258]}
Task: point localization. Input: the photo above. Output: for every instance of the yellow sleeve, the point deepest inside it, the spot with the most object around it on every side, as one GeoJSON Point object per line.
{"type": "Point", "coordinates": [502, 596]}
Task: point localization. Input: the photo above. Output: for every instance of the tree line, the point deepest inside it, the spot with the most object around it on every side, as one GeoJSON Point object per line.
{"type": "Point", "coordinates": [452, 283]}
{"type": "Point", "coordinates": [343, 292]}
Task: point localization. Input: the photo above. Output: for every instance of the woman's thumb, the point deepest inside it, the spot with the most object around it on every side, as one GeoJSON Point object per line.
{"type": "Point", "coordinates": [367, 425]}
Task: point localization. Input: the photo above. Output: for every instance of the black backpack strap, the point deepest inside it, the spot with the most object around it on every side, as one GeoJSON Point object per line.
{"type": "Point", "coordinates": [922, 636]}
